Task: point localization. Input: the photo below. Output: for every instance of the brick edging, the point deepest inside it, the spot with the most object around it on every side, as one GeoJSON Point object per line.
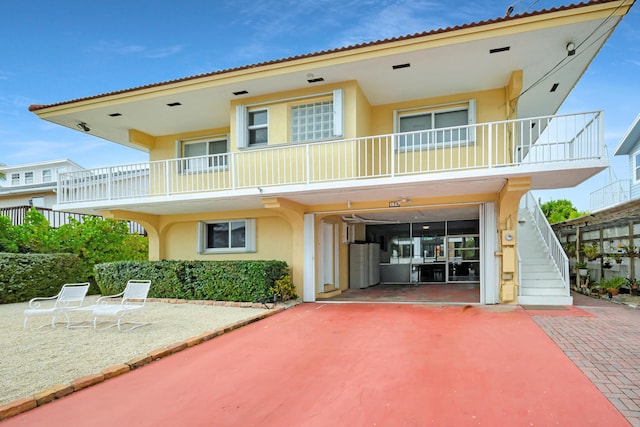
{"type": "Point", "coordinates": [19, 406]}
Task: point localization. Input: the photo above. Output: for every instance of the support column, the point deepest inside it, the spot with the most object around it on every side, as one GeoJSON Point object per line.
{"type": "Point", "coordinates": [508, 205]}
{"type": "Point", "coordinates": [294, 214]}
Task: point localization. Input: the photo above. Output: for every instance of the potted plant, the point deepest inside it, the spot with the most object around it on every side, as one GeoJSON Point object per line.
{"type": "Point", "coordinates": [570, 249]}
{"type": "Point", "coordinates": [606, 263]}
{"type": "Point", "coordinates": [591, 251]}
{"type": "Point", "coordinates": [612, 285]}
{"type": "Point", "coordinates": [617, 257]}
{"type": "Point", "coordinates": [582, 269]}
{"type": "Point", "coordinates": [633, 284]}
{"type": "Point", "coordinates": [630, 250]}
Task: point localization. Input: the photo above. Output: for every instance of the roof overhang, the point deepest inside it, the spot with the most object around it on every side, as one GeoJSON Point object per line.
{"type": "Point", "coordinates": [629, 140]}
{"type": "Point", "coordinates": [442, 62]}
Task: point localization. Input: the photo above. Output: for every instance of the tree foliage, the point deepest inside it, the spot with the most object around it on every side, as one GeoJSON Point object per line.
{"type": "Point", "coordinates": [94, 240]}
{"type": "Point", "coordinates": [560, 210]}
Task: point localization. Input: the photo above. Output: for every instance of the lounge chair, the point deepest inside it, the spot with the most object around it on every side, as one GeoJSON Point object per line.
{"type": "Point", "coordinates": [70, 297]}
{"type": "Point", "coordinates": [132, 301]}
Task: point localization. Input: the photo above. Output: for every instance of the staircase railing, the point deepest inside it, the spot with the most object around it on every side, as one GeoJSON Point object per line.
{"type": "Point", "coordinates": [549, 238]}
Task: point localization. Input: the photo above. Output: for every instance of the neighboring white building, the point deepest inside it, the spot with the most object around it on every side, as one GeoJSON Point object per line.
{"type": "Point", "coordinates": [33, 184]}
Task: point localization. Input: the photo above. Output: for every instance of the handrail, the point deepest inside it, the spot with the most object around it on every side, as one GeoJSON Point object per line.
{"type": "Point", "coordinates": [549, 238]}
{"type": "Point", "coordinates": [509, 143]}
{"type": "Point", "coordinates": [611, 194]}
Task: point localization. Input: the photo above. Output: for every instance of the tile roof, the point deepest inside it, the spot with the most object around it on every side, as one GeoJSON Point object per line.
{"type": "Point", "coordinates": [36, 107]}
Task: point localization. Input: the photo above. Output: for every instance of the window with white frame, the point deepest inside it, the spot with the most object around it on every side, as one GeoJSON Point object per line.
{"type": "Point", "coordinates": [227, 236]}
{"type": "Point", "coordinates": [46, 175]}
{"type": "Point", "coordinates": [15, 179]}
{"type": "Point", "coordinates": [28, 177]}
{"type": "Point", "coordinates": [435, 127]}
{"type": "Point", "coordinates": [636, 167]}
{"type": "Point", "coordinates": [320, 119]}
{"type": "Point", "coordinates": [258, 127]}
{"type": "Point", "coordinates": [205, 155]}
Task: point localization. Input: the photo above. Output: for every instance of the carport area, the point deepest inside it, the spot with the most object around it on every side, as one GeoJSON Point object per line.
{"type": "Point", "coordinates": [353, 364]}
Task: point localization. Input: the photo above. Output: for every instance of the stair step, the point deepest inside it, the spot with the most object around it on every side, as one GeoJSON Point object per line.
{"type": "Point", "coordinates": [535, 283]}
{"type": "Point", "coordinates": [544, 291]}
{"type": "Point", "coordinates": [546, 300]}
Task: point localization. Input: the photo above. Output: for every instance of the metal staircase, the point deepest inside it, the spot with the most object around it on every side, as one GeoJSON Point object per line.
{"type": "Point", "coordinates": [544, 268]}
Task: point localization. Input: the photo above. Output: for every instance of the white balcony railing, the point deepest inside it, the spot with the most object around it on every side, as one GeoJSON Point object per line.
{"type": "Point", "coordinates": [610, 195]}
{"type": "Point", "coordinates": [538, 140]}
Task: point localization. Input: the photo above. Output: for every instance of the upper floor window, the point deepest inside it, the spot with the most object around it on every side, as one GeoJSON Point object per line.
{"type": "Point", "coordinates": [28, 177]}
{"type": "Point", "coordinates": [258, 127]}
{"type": "Point", "coordinates": [312, 121]}
{"type": "Point", "coordinates": [15, 179]}
{"type": "Point", "coordinates": [441, 126]}
{"type": "Point", "coordinates": [636, 167]}
{"type": "Point", "coordinates": [204, 155]}
{"type": "Point", "coordinates": [321, 119]}
{"type": "Point", "coordinates": [227, 236]}
{"type": "Point", "coordinates": [46, 175]}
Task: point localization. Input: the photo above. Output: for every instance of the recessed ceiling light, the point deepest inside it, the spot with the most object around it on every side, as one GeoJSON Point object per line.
{"type": "Point", "coordinates": [397, 67]}
{"type": "Point", "coordinates": [554, 87]}
{"type": "Point", "coordinates": [115, 115]}
{"type": "Point", "coordinates": [240, 92]}
{"type": "Point", "coordinates": [173, 104]}
{"type": "Point", "coordinates": [499, 49]}
{"type": "Point", "coordinates": [316, 80]}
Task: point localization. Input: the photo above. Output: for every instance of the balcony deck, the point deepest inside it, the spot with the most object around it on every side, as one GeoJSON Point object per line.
{"type": "Point", "coordinates": [497, 149]}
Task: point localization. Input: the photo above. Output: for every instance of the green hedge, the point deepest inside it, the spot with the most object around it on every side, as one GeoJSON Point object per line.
{"type": "Point", "coordinates": [247, 281]}
{"type": "Point", "coordinates": [26, 276]}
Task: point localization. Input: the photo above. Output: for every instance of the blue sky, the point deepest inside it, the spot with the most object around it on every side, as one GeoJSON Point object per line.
{"type": "Point", "coordinates": [61, 50]}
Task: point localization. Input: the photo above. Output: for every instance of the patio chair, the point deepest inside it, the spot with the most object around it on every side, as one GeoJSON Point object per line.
{"type": "Point", "coordinates": [70, 297]}
{"type": "Point", "coordinates": [132, 301]}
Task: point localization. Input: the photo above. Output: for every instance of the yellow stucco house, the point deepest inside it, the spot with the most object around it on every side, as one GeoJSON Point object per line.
{"type": "Point", "coordinates": [403, 160]}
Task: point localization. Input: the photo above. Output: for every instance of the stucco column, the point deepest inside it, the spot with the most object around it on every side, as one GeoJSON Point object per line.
{"type": "Point", "coordinates": [508, 204]}
{"type": "Point", "coordinates": [293, 213]}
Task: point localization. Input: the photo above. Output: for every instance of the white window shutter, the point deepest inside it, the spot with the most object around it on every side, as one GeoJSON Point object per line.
{"type": "Point", "coordinates": [472, 111]}
{"type": "Point", "coordinates": [472, 120]}
{"type": "Point", "coordinates": [338, 112]}
{"type": "Point", "coordinates": [242, 140]}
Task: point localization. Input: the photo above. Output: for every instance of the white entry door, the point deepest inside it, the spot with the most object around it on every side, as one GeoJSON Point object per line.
{"type": "Point", "coordinates": [328, 256]}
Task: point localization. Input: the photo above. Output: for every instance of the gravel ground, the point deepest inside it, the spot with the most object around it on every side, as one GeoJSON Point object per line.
{"type": "Point", "coordinates": [35, 359]}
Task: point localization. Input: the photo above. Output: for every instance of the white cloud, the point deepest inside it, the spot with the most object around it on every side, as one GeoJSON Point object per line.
{"type": "Point", "coordinates": [116, 48]}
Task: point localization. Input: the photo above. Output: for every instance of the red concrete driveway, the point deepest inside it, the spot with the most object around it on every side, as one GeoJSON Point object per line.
{"type": "Point", "coordinates": [352, 365]}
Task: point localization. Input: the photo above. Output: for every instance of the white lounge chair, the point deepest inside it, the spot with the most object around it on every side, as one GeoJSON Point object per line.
{"type": "Point", "coordinates": [70, 297]}
{"type": "Point", "coordinates": [132, 301]}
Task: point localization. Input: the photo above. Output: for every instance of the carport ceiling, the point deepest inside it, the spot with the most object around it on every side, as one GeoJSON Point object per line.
{"type": "Point", "coordinates": [421, 214]}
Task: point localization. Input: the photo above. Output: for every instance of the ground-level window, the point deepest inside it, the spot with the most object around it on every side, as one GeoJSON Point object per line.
{"type": "Point", "coordinates": [430, 128]}
{"type": "Point", "coordinates": [205, 155]}
{"type": "Point", "coordinates": [227, 236]}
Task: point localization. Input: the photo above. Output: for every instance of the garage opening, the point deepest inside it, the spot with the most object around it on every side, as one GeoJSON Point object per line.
{"type": "Point", "coordinates": [430, 256]}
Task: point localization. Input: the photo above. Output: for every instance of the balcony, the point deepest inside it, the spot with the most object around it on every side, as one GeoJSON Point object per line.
{"type": "Point", "coordinates": [610, 195]}
{"type": "Point", "coordinates": [506, 147]}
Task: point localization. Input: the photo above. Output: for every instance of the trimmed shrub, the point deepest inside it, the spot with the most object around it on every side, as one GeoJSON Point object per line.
{"type": "Point", "coordinates": [247, 281]}
{"type": "Point", "coordinates": [26, 276]}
